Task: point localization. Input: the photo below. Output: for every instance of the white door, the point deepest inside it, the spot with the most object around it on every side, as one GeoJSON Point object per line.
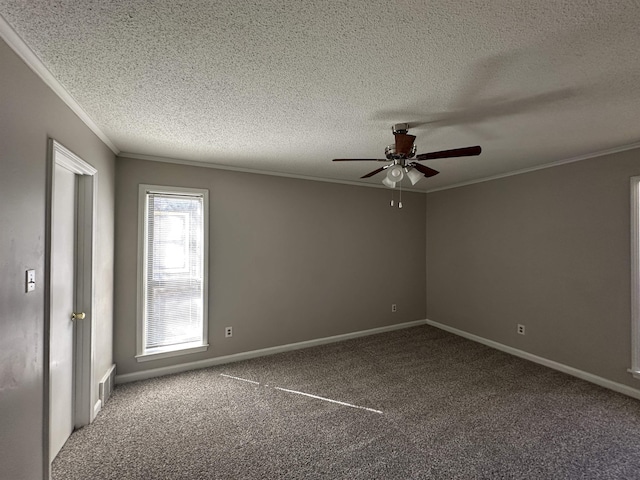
{"type": "Point", "coordinates": [61, 353]}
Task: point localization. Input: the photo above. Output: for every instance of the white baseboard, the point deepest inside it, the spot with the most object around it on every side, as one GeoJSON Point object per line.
{"type": "Point", "coordinates": [106, 384]}
{"type": "Point", "coordinates": [210, 362]}
{"type": "Point", "coordinates": [96, 409]}
{"type": "Point", "coordinates": [589, 377]}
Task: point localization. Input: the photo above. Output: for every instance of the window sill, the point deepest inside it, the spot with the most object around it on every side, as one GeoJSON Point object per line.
{"type": "Point", "coordinates": [635, 373]}
{"type": "Point", "coordinates": [146, 357]}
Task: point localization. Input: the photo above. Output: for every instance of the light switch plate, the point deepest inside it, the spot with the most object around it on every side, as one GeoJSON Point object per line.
{"type": "Point", "coordinates": [31, 281]}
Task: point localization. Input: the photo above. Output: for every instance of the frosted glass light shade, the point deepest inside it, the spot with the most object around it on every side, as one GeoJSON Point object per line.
{"type": "Point", "coordinates": [395, 173]}
{"type": "Point", "coordinates": [388, 182]}
{"type": "Point", "coordinates": [414, 175]}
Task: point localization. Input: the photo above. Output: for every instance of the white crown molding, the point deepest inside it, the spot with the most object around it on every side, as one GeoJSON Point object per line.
{"type": "Point", "coordinates": [9, 35]}
{"type": "Point", "coordinates": [210, 362]}
{"type": "Point", "coordinates": [574, 372]}
{"type": "Point", "coordinates": [557, 163]}
{"type": "Point", "coordinates": [194, 163]}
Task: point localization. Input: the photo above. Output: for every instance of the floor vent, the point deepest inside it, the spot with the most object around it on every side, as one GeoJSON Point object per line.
{"type": "Point", "coordinates": [106, 385]}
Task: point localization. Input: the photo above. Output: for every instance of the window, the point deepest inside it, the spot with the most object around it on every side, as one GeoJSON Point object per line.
{"type": "Point", "coordinates": [172, 271]}
{"type": "Point", "coordinates": [635, 277]}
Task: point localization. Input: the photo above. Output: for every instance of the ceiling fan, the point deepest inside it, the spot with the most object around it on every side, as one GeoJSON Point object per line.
{"type": "Point", "coordinates": [401, 154]}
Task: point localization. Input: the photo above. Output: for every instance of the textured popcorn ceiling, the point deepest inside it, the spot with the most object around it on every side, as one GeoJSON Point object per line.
{"type": "Point", "coordinates": [285, 86]}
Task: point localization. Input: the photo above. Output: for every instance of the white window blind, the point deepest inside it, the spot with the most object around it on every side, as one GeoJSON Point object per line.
{"type": "Point", "coordinates": [174, 272]}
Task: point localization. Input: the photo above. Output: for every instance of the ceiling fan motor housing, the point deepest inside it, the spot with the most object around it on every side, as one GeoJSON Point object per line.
{"type": "Point", "coordinates": [400, 128]}
{"type": "Point", "coordinates": [403, 148]}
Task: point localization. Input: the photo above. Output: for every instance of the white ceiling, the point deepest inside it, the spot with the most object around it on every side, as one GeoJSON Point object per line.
{"type": "Point", "coordinates": [285, 86]}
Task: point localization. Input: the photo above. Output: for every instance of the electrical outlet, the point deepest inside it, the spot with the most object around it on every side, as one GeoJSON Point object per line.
{"type": "Point", "coordinates": [228, 332]}
{"type": "Point", "coordinates": [394, 308]}
{"type": "Point", "coordinates": [520, 329]}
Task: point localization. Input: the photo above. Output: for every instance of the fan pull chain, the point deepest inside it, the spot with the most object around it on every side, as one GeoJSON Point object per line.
{"type": "Point", "coordinates": [391, 198]}
{"type": "Point", "coordinates": [400, 200]}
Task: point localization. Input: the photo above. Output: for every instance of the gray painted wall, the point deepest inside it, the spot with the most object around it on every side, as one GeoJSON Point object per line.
{"type": "Point", "coordinates": [549, 249]}
{"type": "Point", "coordinates": [290, 260]}
{"type": "Point", "coordinates": [295, 260]}
{"type": "Point", "coordinates": [30, 113]}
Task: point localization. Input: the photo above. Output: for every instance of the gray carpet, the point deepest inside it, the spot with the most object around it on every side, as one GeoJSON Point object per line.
{"type": "Point", "coordinates": [451, 408]}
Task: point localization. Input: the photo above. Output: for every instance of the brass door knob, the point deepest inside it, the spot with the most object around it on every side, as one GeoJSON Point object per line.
{"type": "Point", "coordinates": [77, 316]}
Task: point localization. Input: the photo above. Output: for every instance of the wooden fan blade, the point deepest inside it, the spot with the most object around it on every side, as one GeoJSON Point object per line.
{"type": "Point", "coordinates": [377, 170]}
{"type": "Point", "coordinates": [404, 143]}
{"type": "Point", "coordinates": [426, 171]}
{"type": "Point", "coordinates": [456, 152]}
{"type": "Point", "coordinates": [360, 160]}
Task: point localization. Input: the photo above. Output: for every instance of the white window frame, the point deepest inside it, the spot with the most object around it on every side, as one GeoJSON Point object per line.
{"type": "Point", "coordinates": [143, 189]}
{"type": "Point", "coordinates": [635, 277]}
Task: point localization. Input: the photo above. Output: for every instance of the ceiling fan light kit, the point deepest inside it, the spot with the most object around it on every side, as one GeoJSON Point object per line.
{"type": "Point", "coordinates": [395, 173]}
{"type": "Point", "coordinates": [413, 175]}
{"type": "Point", "coordinates": [400, 154]}
{"type": "Point", "coordinates": [388, 183]}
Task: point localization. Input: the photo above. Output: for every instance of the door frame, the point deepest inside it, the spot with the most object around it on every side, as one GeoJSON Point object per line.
{"type": "Point", "coordinates": [86, 200]}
